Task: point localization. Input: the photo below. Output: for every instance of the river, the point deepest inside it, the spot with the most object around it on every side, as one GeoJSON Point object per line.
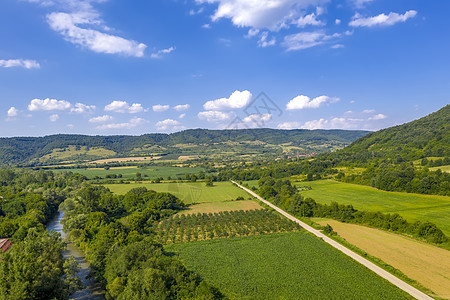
{"type": "Point", "coordinates": [92, 289]}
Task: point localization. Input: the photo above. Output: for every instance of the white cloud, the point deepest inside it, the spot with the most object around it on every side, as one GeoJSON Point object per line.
{"type": "Point", "coordinates": [214, 116]}
{"type": "Point", "coordinates": [22, 63]}
{"type": "Point", "coordinates": [258, 120]}
{"type": "Point", "coordinates": [124, 107]}
{"type": "Point", "coordinates": [252, 32]}
{"type": "Point", "coordinates": [337, 46]}
{"type": "Point", "coordinates": [335, 123]}
{"type": "Point", "coordinates": [181, 116]}
{"type": "Point", "coordinates": [48, 105]}
{"type": "Point", "coordinates": [160, 53]}
{"type": "Point", "coordinates": [368, 111]}
{"type": "Point", "coordinates": [135, 122]}
{"type": "Point", "coordinates": [236, 100]}
{"type": "Point", "coordinates": [206, 26]}
{"type": "Point", "coordinates": [310, 19]}
{"type": "Point", "coordinates": [13, 112]}
{"type": "Point", "coordinates": [181, 107]}
{"type": "Point", "coordinates": [169, 125]}
{"type": "Point", "coordinates": [160, 108]}
{"type": "Point", "coordinates": [264, 41]}
{"type": "Point", "coordinates": [378, 117]}
{"type": "Point", "coordinates": [289, 125]}
{"type": "Point", "coordinates": [81, 108]}
{"type": "Point", "coordinates": [54, 118]}
{"type": "Point", "coordinates": [270, 14]}
{"type": "Point", "coordinates": [382, 19]}
{"type": "Point", "coordinates": [305, 40]}
{"type": "Point", "coordinates": [337, 21]}
{"type": "Point", "coordinates": [302, 102]}
{"type": "Point", "coordinates": [101, 119]}
{"type": "Point", "coordinates": [361, 3]}
{"type": "Point", "coordinates": [74, 27]}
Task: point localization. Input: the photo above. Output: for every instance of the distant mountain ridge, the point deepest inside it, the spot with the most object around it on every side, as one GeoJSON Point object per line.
{"type": "Point", "coordinates": [19, 150]}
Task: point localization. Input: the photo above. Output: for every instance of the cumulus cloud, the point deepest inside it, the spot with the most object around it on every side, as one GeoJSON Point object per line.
{"type": "Point", "coordinates": [54, 118]}
{"type": "Point", "coordinates": [305, 40]}
{"type": "Point", "coordinates": [310, 20]}
{"type": "Point", "coordinates": [169, 125]}
{"type": "Point", "coordinates": [21, 63]}
{"type": "Point", "coordinates": [81, 108]}
{"type": "Point", "coordinates": [381, 19]}
{"type": "Point", "coordinates": [13, 112]}
{"type": "Point", "coordinates": [289, 125]}
{"type": "Point", "coordinates": [236, 100]}
{"type": "Point", "coordinates": [378, 117]}
{"type": "Point", "coordinates": [258, 120]}
{"type": "Point", "coordinates": [160, 53]}
{"type": "Point", "coordinates": [181, 107]}
{"type": "Point", "coordinates": [302, 102]}
{"type": "Point", "coordinates": [101, 119]}
{"type": "Point", "coordinates": [134, 122]}
{"type": "Point", "coordinates": [160, 108]}
{"type": "Point", "coordinates": [269, 14]}
{"type": "Point", "coordinates": [124, 107]}
{"type": "Point", "coordinates": [48, 105]}
{"type": "Point", "coordinates": [214, 116]}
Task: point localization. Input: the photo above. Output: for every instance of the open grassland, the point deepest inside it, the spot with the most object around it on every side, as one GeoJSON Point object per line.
{"type": "Point", "coordinates": [125, 159]}
{"type": "Point", "coordinates": [216, 207]}
{"type": "Point", "coordinates": [282, 266]}
{"type": "Point", "coordinates": [76, 153]}
{"type": "Point", "coordinates": [413, 207]}
{"type": "Point", "coordinates": [188, 192]}
{"type": "Point", "coordinates": [442, 168]}
{"type": "Point", "coordinates": [130, 172]}
{"type": "Point", "coordinates": [428, 265]}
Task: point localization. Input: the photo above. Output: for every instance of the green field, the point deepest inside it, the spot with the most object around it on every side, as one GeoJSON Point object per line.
{"type": "Point", "coordinates": [442, 168]}
{"type": "Point", "coordinates": [413, 207]}
{"type": "Point", "coordinates": [189, 192]}
{"type": "Point", "coordinates": [130, 172]}
{"type": "Point", "coordinates": [282, 266]}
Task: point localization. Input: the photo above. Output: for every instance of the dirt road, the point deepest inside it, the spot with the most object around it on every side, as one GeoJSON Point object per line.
{"type": "Point", "coordinates": [386, 275]}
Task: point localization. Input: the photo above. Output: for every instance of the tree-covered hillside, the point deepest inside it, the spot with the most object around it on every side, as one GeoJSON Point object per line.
{"type": "Point", "coordinates": [425, 137]}
{"type": "Point", "coordinates": [18, 150]}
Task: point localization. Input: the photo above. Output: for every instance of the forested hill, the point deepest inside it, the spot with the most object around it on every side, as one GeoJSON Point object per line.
{"type": "Point", "coordinates": [25, 149]}
{"type": "Point", "coordinates": [425, 137]}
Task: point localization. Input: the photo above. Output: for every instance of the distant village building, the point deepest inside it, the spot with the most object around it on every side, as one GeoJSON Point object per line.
{"type": "Point", "coordinates": [5, 244]}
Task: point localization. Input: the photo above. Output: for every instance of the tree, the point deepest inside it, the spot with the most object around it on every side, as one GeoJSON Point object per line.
{"type": "Point", "coordinates": [35, 269]}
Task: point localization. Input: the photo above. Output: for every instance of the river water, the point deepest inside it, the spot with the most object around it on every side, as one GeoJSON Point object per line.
{"type": "Point", "coordinates": [92, 289]}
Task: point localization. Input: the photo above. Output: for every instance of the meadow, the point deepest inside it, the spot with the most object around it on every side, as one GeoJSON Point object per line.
{"type": "Point", "coordinates": [430, 267]}
{"type": "Point", "coordinates": [413, 207]}
{"type": "Point", "coordinates": [282, 266]}
{"type": "Point", "coordinates": [188, 192]}
{"type": "Point", "coordinates": [129, 172]}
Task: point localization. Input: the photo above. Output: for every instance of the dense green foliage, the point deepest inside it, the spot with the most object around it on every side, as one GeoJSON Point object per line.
{"type": "Point", "coordinates": [115, 232]}
{"type": "Point", "coordinates": [194, 227]}
{"type": "Point", "coordinates": [282, 266]}
{"type": "Point", "coordinates": [286, 196]}
{"type": "Point", "coordinates": [23, 149]}
{"type": "Point", "coordinates": [425, 137]}
{"type": "Point", "coordinates": [35, 269]}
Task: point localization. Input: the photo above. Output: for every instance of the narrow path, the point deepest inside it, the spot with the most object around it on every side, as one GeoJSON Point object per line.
{"type": "Point", "coordinates": [371, 266]}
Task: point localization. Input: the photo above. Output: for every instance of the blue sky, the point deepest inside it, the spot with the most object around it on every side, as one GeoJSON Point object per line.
{"type": "Point", "coordinates": [132, 67]}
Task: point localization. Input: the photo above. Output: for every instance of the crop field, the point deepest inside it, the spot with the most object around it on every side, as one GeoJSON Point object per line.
{"type": "Point", "coordinates": [197, 227]}
{"type": "Point", "coordinates": [292, 265]}
{"type": "Point", "coordinates": [413, 207]}
{"type": "Point", "coordinates": [215, 207]}
{"type": "Point", "coordinates": [428, 265]}
{"type": "Point", "coordinates": [125, 159]}
{"type": "Point", "coordinates": [130, 172]}
{"type": "Point", "coordinates": [189, 192]}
